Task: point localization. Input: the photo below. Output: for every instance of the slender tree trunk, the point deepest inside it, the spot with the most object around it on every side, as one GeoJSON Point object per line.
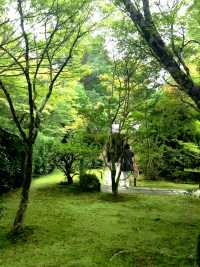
{"type": "Point", "coordinates": [19, 218]}
{"type": "Point", "coordinates": [113, 175]}
{"type": "Point", "coordinates": [135, 182]}
{"type": "Point", "coordinates": [164, 55]}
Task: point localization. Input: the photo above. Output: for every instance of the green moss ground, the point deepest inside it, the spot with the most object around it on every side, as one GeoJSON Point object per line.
{"type": "Point", "coordinates": [165, 184]}
{"type": "Point", "coordinates": [66, 228]}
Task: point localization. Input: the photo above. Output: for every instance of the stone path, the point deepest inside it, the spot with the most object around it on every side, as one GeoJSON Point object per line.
{"type": "Point", "coordinates": [146, 190]}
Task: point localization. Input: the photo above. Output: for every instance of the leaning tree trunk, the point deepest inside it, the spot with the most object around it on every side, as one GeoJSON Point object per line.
{"type": "Point", "coordinates": [167, 58]}
{"type": "Point", "coordinates": [19, 218]}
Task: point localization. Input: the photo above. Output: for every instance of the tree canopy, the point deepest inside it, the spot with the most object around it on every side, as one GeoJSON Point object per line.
{"type": "Point", "coordinates": [69, 70]}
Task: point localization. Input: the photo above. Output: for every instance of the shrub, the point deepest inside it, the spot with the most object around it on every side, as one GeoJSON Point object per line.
{"type": "Point", "coordinates": [11, 161]}
{"type": "Point", "coordinates": [44, 155]}
{"type": "Point", "coordinates": [89, 183]}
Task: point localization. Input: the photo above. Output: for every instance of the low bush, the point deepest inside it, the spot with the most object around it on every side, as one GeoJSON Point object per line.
{"type": "Point", "coordinates": [89, 183]}
{"type": "Point", "coordinates": [11, 161]}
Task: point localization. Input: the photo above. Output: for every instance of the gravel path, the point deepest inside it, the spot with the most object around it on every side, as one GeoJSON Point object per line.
{"type": "Point", "coordinates": [146, 190]}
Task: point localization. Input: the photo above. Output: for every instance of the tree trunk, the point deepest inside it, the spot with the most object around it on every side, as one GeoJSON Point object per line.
{"type": "Point", "coordinates": [19, 218]}
{"type": "Point", "coordinates": [135, 182]}
{"type": "Point", "coordinates": [113, 175]}
{"type": "Point", "coordinates": [69, 179]}
{"type": "Point", "coordinates": [166, 57]}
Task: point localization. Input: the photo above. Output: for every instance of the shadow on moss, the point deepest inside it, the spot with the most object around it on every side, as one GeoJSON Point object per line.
{"type": "Point", "coordinates": [118, 198]}
{"type": "Point", "coordinates": [21, 236]}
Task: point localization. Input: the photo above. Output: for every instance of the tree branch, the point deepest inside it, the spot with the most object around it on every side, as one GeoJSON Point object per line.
{"type": "Point", "coordinates": [59, 71]}
{"type": "Point", "coordinates": [14, 58]}
{"type": "Point", "coordinates": [165, 57]}
{"type": "Point", "coordinates": [147, 13]}
{"type": "Point", "coordinates": [13, 112]}
{"type": "Point", "coordinates": [26, 72]}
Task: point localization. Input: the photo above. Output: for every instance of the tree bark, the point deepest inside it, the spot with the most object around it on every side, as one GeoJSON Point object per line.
{"type": "Point", "coordinates": [113, 175]}
{"type": "Point", "coordinates": [68, 160]}
{"type": "Point", "coordinates": [19, 218]}
{"type": "Point", "coordinates": [69, 179]}
{"type": "Point", "coordinates": [165, 56]}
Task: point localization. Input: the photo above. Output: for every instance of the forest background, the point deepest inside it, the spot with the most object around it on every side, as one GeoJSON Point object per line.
{"type": "Point", "coordinates": [69, 71]}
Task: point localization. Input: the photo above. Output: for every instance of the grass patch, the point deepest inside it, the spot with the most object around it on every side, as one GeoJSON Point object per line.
{"type": "Point", "coordinates": [70, 229]}
{"type": "Point", "coordinates": [165, 184]}
{"type": "Point", "coordinates": [48, 180]}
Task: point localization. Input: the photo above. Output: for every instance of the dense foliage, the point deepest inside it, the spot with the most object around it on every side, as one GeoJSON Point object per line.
{"type": "Point", "coordinates": [114, 79]}
{"type": "Point", "coordinates": [44, 155]}
{"type": "Point", "coordinates": [11, 161]}
{"type": "Point", "coordinates": [82, 80]}
{"type": "Point", "coordinates": [70, 70]}
{"type": "Point", "coordinates": [168, 137]}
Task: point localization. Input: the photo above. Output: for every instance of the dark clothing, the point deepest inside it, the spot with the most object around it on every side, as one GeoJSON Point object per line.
{"type": "Point", "coordinates": [115, 147]}
{"type": "Point", "coordinates": [127, 161]}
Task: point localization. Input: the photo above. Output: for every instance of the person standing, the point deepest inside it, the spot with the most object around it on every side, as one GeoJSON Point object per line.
{"type": "Point", "coordinates": [126, 166]}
